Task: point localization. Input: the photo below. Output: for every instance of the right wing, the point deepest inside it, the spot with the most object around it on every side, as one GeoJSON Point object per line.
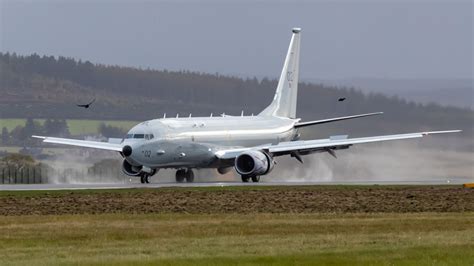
{"type": "Point", "coordinates": [304, 147]}
{"type": "Point", "coordinates": [82, 143]}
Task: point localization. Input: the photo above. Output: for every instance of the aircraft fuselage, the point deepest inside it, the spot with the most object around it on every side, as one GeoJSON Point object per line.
{"type": "Point", "coordinates": [192, 142]}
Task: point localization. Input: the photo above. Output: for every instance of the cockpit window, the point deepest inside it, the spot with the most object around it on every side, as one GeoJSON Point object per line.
{"type": "Point", "coordinates": [149, 136]}
{"type": "Point", "coordinates": [128, 136]}
{"type": "Point", "coordinates": [139, 136]}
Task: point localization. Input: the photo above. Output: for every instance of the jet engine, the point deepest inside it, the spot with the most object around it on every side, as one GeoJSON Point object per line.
{"type": "Point", "coordinates": [130, 170]}
{"type": "Point", "coordinates": [254, 163]}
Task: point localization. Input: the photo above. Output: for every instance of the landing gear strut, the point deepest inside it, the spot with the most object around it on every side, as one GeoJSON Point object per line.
{"type": "Point", "coordinates": [184, 174]}
{"type": "Point", "coordinates": [246, 178]}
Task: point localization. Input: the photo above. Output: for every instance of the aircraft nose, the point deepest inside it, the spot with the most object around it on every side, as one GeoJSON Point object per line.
{"type": "Point", "coordinates": [127, 150]}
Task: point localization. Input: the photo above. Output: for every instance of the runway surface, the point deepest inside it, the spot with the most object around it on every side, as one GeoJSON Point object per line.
{"type": "Point", "coordinates": [63, 186]}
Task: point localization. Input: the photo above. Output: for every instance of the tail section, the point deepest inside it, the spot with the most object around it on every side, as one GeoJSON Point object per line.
{"type": "Point", "coordinates": [284, 101]}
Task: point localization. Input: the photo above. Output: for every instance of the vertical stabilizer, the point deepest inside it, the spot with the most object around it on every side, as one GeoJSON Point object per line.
{"type": "Point", "coordinates": [284, 101]}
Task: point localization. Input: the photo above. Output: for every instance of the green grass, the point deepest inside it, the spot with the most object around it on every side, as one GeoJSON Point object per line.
{"type": "Point", "coordinates": [76, 126]}
{"type": "Point", "coordinates": [276, 239]}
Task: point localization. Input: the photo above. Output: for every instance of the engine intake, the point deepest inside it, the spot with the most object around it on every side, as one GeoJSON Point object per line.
{"type": "Point", "coordinates": [129, 169]}
{"type": "Point", "coordinates": [254, 163]}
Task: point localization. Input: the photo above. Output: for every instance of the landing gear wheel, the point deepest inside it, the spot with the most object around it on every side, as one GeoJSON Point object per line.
{"type": "Point", "coordinates": [256, 178]}
{"type": "Point", "coordinates": [245, 178]}
{"type": "Point", "coordinates": [180, 175]}
{"type": "Point", "coordinates": [145, 178]}
{"type": "Point", "coordinates": [189, 176]}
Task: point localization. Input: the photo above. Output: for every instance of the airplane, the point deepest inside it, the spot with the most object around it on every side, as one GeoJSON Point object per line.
{"type": "Point", "coordinates": [249, 144]}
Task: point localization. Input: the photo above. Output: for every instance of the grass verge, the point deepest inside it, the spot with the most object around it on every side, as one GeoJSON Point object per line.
{"type": "Point", "coordinates": [254, 239]}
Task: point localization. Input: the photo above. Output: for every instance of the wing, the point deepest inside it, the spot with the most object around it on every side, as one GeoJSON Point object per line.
{"type": "Point", "coordinates": [82, 143]}
{"type": "Point", "coordinates": [321, 145]}
{"type": "Point", "coordinates": [91, 102]}
{"type": "Point", "coordinates": [329, 120]}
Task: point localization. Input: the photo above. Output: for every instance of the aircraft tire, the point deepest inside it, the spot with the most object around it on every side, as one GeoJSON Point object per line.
{"type": "Point", "coordinates": [189, 176]}
{"type": "Point", "coordinates": [256, 178]}
{"type": "Point", "coordinates": [144, 178]}
{"type": "Point", "coordinates": [180, 175]}
{"type": "Point", "coordinates": [245, 178]}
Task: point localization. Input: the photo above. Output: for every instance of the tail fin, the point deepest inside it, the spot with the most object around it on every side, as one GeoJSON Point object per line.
{"type": "Point", "coordinates": [284, 101]}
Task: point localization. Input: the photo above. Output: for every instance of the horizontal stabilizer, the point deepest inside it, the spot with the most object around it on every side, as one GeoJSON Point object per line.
{"type": "Point", "coordinates": [329, 120]}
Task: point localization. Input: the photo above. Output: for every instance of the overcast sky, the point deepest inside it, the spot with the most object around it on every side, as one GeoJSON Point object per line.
{"type": "Point", "coordinates": [340, 39]}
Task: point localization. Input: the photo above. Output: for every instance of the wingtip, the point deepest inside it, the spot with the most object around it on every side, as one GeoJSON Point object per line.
{"type": "Point", "coordinates": [38, 137]}
{"type": "Point", "coordinates": [441, 132]}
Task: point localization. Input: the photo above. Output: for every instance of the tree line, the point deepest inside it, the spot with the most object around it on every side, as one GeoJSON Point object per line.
{"type": "Point", "coordinates": [49, 87]}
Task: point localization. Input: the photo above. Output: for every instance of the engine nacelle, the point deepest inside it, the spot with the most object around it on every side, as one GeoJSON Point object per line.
{"type": "Point", "coordinates": [130, 170]}
{"type": "Point", "coordinates": [254, 163]}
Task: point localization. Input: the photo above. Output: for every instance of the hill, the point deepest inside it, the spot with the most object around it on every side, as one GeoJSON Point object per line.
{"type": "Point", "coordinates": [50, 87]}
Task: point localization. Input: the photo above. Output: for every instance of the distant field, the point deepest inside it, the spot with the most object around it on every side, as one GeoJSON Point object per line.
{"type": "Point", "coordinates": [76, 126]}
{"type": "Point", "coordinates": [238, 239]}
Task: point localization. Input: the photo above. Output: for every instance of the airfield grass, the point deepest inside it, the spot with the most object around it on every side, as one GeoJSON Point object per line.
{"type": "Point", "coordinates": [76, 126]}
{"type": "Point", "coordinates": [250, 239]}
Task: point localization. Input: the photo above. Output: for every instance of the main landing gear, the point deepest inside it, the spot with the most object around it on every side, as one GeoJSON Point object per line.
{"type": "Point", "coordinates": [246, 178]}
{"type": "Point", "coordinates": [184, 174]}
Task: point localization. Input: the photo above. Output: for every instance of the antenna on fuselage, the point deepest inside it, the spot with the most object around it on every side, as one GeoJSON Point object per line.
{"type": "Point", "coordinates": [164, 115]}
{"type": "Point", "coordinates": [210, 115]}
{"type": "Point", "coordinates": [190, 115]}
{"type": "Point", "coordinates": [242, 113]}
{"type": "Point", "coordinates": [177, 115]}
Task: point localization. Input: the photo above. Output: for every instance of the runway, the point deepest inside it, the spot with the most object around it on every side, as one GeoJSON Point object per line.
{"type": "Point", "coordinates": [82, 186]}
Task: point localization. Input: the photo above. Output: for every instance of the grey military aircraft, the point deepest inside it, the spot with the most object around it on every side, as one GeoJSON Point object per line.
{"type": "Point", "coordinates": [247, 143]}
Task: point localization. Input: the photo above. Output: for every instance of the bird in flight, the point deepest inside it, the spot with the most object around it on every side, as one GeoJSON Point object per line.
{"type": "Point", "coordinates": [341, 99]}
{"type": "Point", "coordinates": [86, 105]}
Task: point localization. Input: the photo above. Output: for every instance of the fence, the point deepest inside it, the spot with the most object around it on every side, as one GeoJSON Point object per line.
{"type": "Point", "coordinates": [38, 175]}
{"type": "Point", "coordinates": [23, 175]}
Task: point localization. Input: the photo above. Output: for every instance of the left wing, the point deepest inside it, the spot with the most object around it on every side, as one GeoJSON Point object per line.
{"type": "Point", "coordinates": [82, 143]}
{"type": "Point", "coordinates": [304, 147]}
{"type": "Point", "coordinates": [329, 120]}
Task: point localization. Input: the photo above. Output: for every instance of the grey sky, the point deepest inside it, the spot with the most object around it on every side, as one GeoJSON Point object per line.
{"type": "Point", "coordinates": [341, 39]}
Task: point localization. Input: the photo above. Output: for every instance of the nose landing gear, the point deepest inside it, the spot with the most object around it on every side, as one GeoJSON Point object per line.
{"type": "Point", "coordinates": [246, 178]}
{"type": "Point", "coordinates": [184, 174]}
{"type": "Point", "coordinates": [144, 178]}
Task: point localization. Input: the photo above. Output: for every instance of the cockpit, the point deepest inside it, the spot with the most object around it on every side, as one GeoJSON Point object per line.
{"type": "Point", "coordinates": [140, 132]}
{"type": "Point", "coordinates": [139, 136]}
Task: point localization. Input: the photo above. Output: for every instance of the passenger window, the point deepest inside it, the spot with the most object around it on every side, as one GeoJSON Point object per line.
{"type": "Point", "coordinates": [151, 136]}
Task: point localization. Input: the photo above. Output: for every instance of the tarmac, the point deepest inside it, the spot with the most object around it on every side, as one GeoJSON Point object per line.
{"type": "Point", "coordinates": [77, 186]}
